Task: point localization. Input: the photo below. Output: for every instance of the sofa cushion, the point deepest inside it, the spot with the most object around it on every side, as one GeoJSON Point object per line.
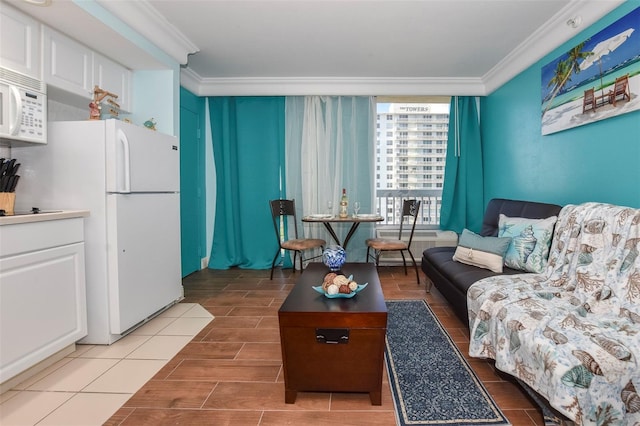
{"type": "Point", "coordinates": [460, 276]}
{"type": "Point", "coordinates": [530, 241]}
{"type": "Point", "coordinates": [483, 252]}
{"type": "Point", "coordinates": [514, 208]}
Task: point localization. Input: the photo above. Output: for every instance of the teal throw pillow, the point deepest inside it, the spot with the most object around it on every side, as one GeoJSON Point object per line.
{"type": "Point", "coordinates": [483, 252]}
{"type": "Point", "coordinates": [530, 242]}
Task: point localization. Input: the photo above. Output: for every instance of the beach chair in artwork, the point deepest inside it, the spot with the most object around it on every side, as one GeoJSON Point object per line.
{"type": "Point", "coordinates": [620, 90]}
{"type": "Point", "coordinates": [589, 101]}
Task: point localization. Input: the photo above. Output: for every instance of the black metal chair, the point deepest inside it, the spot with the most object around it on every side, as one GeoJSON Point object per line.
{"type": "Point", "coordinates": [410, 209]}
{"type": "Point", "coordinates": [283, 213]}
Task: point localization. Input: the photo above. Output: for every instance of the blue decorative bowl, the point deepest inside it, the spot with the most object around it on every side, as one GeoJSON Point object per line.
{"type": "Point", "coordinates": [334, 257]}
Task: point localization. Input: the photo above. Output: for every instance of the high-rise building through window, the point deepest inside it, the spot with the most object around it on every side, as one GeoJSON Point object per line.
{"type": "Point", "coordinates": [410, 157]}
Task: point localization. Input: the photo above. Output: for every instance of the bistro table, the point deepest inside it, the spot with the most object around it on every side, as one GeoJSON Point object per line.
{"type": "Point", "coordinates": [354, 220]}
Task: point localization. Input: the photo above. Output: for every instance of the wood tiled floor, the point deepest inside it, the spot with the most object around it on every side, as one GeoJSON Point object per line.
{"type": "Point", "coordinates": [231, 373]}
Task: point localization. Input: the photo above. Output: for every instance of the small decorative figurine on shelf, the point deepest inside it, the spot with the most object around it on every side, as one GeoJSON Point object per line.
{"type": "Point", "coordinates": [150, 124]}
{"type": "Point", "coordinates": [95, 107]}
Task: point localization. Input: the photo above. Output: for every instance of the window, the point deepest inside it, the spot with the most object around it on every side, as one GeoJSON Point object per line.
{"type": "Point", "coordinates": [417, 138]}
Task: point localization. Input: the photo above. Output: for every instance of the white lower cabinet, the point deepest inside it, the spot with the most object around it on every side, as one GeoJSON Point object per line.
{"type": "Point", "coordinates": [42, 293]}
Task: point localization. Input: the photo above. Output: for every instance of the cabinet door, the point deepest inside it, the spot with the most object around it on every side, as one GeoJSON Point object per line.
{"type": "Point", "coordinates": [19, 42]}
{"type": "Point", "coordinates": [67, 64]}
{"type": "Point", "coordinates": [113, 77]}
{"type": "Point", "coordinates": [42, 306]}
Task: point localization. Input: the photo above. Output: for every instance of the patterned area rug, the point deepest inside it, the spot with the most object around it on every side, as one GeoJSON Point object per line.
{"type": "Point", "coordinates": [431, 382]}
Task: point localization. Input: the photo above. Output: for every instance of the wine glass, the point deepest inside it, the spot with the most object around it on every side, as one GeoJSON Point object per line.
{"type": "Point", "coordinates": [330, 207]}
{"type": "Point", "coordinates": [356, 208]}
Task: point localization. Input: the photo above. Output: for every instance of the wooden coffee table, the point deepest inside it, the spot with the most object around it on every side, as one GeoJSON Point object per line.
{"type": "Point", "coordinates": [334, 345]}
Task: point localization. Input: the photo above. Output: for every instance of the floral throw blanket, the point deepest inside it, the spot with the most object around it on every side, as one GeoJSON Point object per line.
{"type": "Point", "coordinates": [571, 333]}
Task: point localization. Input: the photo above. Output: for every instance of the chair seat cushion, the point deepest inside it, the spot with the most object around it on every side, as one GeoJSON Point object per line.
{"type": "Point", "coordinates": [385, 244]}
{"type": "Point", "coordinates": [303, 244]}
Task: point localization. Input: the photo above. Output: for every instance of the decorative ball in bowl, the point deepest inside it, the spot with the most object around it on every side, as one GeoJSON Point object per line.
{"type": "Point", "coordinates": [334, 257]}
{"type": "Point", "coordinates": [339, 286]}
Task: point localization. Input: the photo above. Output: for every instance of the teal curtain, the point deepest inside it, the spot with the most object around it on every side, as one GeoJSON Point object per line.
{"type": "Point", "coordinates": [463, 194]}
{"type": "Point", "coordinates": [248, 149]}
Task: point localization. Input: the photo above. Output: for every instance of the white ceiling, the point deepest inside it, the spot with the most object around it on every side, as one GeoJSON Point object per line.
{"type": "Point", "coordinates": [391, 47]}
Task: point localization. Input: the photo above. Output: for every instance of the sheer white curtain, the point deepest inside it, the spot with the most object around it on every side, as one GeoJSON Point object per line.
{"type": "Point", "coordinates": [330, 145]}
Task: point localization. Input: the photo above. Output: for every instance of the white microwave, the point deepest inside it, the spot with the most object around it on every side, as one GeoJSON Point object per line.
{"type": "Point", "coordinates": [23, 108]}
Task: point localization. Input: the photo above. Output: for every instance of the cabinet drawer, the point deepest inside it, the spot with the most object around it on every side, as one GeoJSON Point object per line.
{"type": "Point", "coordinates": [26, 237]}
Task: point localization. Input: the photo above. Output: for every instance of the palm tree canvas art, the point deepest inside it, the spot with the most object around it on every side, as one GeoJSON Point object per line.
{"type": "Point", "coordinates": [602, 71]}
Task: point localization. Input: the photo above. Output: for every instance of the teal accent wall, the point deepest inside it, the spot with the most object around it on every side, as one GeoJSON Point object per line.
{"type": "Point", "coordinates": [192, 182]}
{"type": "Point", "coordinates": [596, 162]}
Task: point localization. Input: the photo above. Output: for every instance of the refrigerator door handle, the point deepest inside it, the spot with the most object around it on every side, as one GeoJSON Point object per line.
{"type": "Point", "coordinates": [126, 161]}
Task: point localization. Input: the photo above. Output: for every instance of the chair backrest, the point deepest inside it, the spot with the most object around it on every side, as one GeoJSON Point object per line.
{"type": "Point", "coordinates": [410, 209]}
{"type": "Point", "coordinates": [621, 84]}
{"type": "Point", "coordinates": [588, 96]}
{"type": "Point", "coordinates": [281, 211]}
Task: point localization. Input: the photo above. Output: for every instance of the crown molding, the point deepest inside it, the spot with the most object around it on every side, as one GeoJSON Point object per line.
{"type": "Point", "coordinates": [146, 20]}
{"type": "Point", "coordinates": [547, 38]}
{"type": "Point", "coordinates": [300, 86]}
{"type": "Point", "coordinates": [190, 80]}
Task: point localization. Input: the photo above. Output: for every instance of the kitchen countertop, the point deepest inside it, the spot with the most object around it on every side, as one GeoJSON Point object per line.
{"type": "Point", "coordinates": [40, 217]}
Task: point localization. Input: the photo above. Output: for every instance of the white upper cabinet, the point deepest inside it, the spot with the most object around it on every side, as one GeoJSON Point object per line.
{"type": "Point", "coordinates": [74, 68]}
{"type": "Point", "coordinates": [28, 47]}
{"type": "Point", "coordinates": [114, 78]}
{"type": "Point", "coordinates": [19, 42]}
{"type": "Point", "coordinates": [67, 64]}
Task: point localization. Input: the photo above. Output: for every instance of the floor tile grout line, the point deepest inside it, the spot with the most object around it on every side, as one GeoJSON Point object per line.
{"type": "Point", "coordinates": [75, 393]}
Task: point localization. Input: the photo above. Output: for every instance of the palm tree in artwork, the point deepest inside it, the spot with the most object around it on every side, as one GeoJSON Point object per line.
{"type": "Point", "coordinates": [565, 69]}
{"type": "Point", "coordinates": [559, 76]}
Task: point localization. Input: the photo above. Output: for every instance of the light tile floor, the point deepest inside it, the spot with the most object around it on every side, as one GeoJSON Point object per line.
{"type": "Point", "coordinates": [90, 384]}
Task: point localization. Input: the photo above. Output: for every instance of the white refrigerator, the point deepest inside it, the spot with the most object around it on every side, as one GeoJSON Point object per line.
{"type": "Point", "coordinates": [128, 177]}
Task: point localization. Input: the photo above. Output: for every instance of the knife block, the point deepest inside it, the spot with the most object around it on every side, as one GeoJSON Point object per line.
{"type": "Point", "coordinates": [7, 201]}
